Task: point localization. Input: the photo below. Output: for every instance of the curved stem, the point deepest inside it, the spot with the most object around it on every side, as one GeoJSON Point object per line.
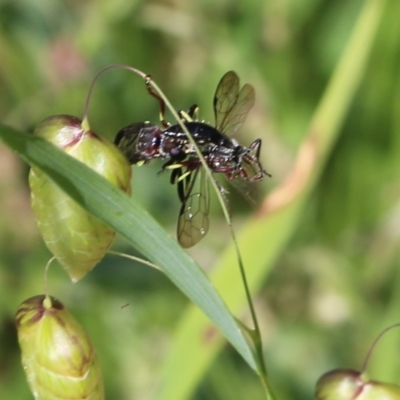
{"type": "Point", "coordinates": [45, 277]}
{"type": "Point", "coordinates": [130, 257]}
{"type": "Point", "coordinates": [256, 334]}
{"type": "Point", "coordinates": [85, 122]}
{"type": "Point", "coordinates": [372, 348]}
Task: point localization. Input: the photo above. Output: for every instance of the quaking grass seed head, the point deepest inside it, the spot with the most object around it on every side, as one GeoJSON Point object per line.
{"type": "Point", "coordinates": [57, 354]}
{"type": "Point", "coordinates": [75, 237]}
{"type": "Point", "coordinates": [348, 384]}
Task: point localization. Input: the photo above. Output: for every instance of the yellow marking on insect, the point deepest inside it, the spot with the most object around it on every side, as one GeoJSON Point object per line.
{"type": "Point", "coordinates": [186, 116]}
{"type": "Point", "coordinates": [174, 166]}
{"type": "Point", "coordinates": [183, 176]}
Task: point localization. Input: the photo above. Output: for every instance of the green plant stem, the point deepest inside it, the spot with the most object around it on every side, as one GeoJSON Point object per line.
{"type": "Point", "coordinates": [256, 333]}
{"type": "Point", "coordinates": [134, 258]}
{"type": "Point", "coordinates": [85, 119]}
{"type": "Point", "coordinates": [374, 344]}
{"type": "Point", "coordinates": [85, 123]}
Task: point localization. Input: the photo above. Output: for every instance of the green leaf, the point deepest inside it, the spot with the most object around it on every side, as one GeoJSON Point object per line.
{"type": "Point", "coordinates": [121, 213]}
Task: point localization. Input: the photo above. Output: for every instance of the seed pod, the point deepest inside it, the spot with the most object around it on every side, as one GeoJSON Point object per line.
{"type": "Point", "coordinates": [57, 355]}
{"type": "Point", "coordinates": [76, 238]}
{"type": "Point", "coordinates": [347, 384]}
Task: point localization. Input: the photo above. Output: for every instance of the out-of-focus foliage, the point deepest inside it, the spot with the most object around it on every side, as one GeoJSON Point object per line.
{"type": "Point", "coordinates": [336, 284]}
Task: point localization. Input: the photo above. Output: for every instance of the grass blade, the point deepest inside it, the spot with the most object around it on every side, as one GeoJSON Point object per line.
{"type": "Point", "coordinates": [120, 212]}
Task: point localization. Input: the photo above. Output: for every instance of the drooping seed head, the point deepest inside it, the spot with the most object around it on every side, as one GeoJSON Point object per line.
{"type": "Point", "coordinates": [58, 356]}
{"type": "Point", "coordinates": [76, 238]}
{"type": "Point", "coordinates": [348, 384]}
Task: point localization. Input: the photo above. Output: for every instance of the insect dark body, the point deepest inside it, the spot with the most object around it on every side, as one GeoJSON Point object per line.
{"type": "Point", "coordinates": [142, 142]}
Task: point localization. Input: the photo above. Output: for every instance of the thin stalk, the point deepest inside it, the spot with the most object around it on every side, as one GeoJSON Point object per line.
{"type": "Point", "coordinates": [255, 333]}
{"type": "Point", "coordinates": [46, 273]}
{"type": "Point", "coordinates": [138, 259]}
{"type": "Point", "coordinates": [372, 348]}
{"type": "Point", "coordinates": [85, 119]}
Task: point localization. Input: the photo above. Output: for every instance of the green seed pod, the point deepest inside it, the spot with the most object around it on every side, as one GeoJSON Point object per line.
{"type": "Point", "coordinates": [57, 355]}
{"type": "Point", "coordinates": [348, 384]}
{"type": "Point", "coordinates": [340, 384]}
{"type": "Point", "coordinates": [76, 238]}
{"type": "Point", "coordinates": [382, 391]}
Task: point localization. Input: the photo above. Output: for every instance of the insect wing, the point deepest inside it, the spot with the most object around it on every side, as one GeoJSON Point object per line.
{"type": "Point", "coordinates": [128, 135]}
{"type": "Point", "coordinates": [225, 98]}
{"type": "Point", "coordinates": [231, 106]}
{"type": "Point", "coordinates": [236, 117]}
{"type": "Point", "coordinates": [249, 191]}
{"type": "Point", "coordinates": [129, 138]}
{"type": "Point", "coordinates": [193, 221]}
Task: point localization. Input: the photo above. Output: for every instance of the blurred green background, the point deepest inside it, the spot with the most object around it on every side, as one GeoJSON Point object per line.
{"type": "Point", "coordinates": [335, 286]}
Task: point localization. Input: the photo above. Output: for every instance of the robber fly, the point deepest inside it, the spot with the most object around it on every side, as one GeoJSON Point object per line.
{"type": "Point", "coordinates": [143, 142]}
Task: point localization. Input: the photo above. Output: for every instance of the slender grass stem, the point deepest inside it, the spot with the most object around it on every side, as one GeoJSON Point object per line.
{"type": "Point", "coordinates": [256, 333]}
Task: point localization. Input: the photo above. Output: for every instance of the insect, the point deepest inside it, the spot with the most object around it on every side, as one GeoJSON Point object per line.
{"type": "Point", "coordinates": [142, 142]}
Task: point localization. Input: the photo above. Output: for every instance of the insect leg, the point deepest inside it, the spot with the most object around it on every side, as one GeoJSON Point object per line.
{"type": "Point", "coordinates": [256, 146]}
{"type": "Point", "coordinates": [193, 112]}
{"type": "Point", "coordinates": [176, 179]}
{"type": "Point", "coordinates": [164, 123]}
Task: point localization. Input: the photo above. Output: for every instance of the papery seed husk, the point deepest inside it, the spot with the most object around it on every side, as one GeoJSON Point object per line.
{"type": "Point", "coordinates": [348, 384]}
{"type": "Point", "coordinates": [75, 237]}
{"type": "Point", "coordinates": [340, 384]}
{"type": "Point", "coordinates": [58, 356]}
{"type": "Point", "coordinates": [374, 390]}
